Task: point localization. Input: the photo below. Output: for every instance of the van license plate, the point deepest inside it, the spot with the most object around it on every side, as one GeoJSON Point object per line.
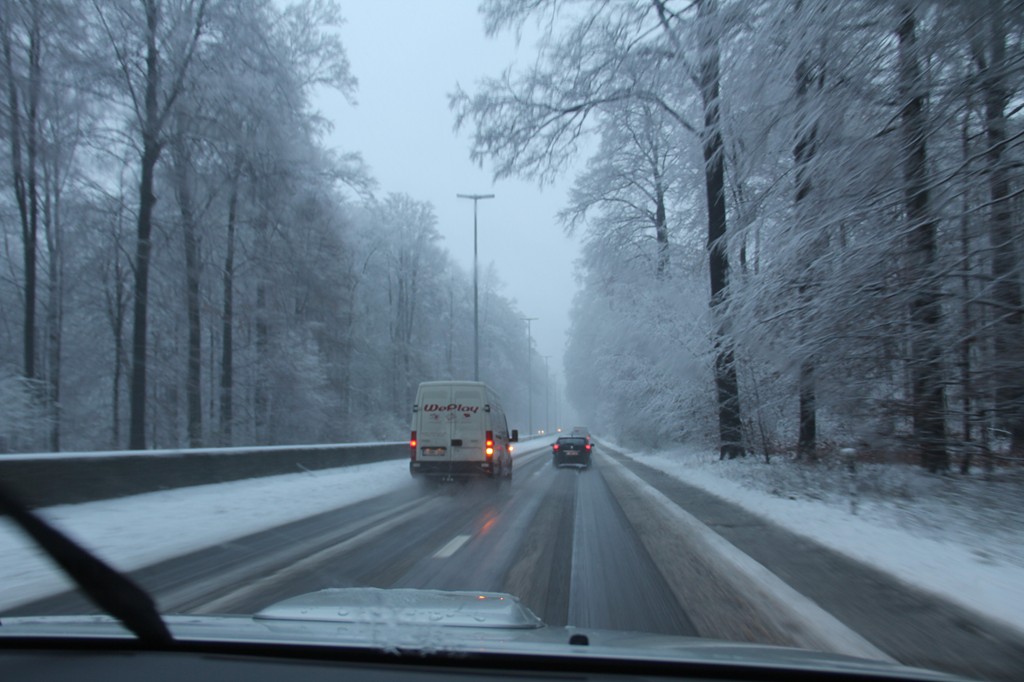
{"type": "Point", "coordinates": [433, 451]}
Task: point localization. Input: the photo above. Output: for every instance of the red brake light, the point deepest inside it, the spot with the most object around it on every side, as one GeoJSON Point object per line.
{"type": "Point", "coordinates": [588, 446]}
{"type": "Point", "coordinates": [412, 444]}
{"type": "Point", "coordinates": [555, 446]}
{"type": "Point", "coordinates": [489, 444]}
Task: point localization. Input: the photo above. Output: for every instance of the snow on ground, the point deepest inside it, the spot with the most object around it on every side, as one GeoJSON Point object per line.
{"type": "Point", "coordinates": [959, 537]}
{"type": "Point", "coordinates": [134, 531]}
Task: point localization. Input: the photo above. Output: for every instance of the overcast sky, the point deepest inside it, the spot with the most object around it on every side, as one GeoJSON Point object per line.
{"type": "Point", "coordinates": [407, 55]}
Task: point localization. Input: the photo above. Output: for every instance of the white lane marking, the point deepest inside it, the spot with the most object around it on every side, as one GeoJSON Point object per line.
{"type": "Point", "coordinates": [452, 547]}
{"type": "Point", "coordinates": [576, 569]}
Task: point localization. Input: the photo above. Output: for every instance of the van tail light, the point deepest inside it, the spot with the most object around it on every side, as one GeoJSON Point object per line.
{"type": "Point", "coordinates": [412, 446]}
{"type": "Point", "coordinates": [489, 444]}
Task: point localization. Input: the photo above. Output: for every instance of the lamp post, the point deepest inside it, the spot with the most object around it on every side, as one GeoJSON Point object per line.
{"type": "Point", "coordinates": [529, 368]}
{"type": "Point", "coordinates": [547, 397]}
{"type": "Point", "coordinates": [557, 400]}
{"type": "Point", "coordinates": [476, 299]}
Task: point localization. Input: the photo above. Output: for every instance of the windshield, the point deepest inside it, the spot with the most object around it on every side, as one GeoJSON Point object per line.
{"type": "Point", "coordinates": [298, 296]}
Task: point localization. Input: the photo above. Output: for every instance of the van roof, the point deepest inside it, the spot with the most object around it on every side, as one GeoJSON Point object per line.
{"type": "Point", "coordinates": [453, 383]}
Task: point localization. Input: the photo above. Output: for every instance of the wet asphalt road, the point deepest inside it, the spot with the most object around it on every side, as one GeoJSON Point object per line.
{"type": "Point", "coordinates": [554, 537]}
{"type": "Point", "coordinates": [562, 542]}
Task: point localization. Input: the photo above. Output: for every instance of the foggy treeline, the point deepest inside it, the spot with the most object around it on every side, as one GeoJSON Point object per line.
{"type": "Point", "coordinates": [186, 263]}
{"type": "Point", "coordinates": [801, 218]}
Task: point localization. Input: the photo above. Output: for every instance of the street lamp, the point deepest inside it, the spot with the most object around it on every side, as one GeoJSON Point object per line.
{"type": "Point", "coordinates": [558, 399]}
{"type": "Point", "coordinates": [476, 299]}
{"type": "Point", "coordinates": [547, 397]}
{"type": "Point", "coordinates": [529, 368]}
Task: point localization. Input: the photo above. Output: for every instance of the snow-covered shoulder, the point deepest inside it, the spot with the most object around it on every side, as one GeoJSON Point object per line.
{"type": "Point", "coordinates": [138, 530]}
{"type": "Point", "coordinates": [961, 538]}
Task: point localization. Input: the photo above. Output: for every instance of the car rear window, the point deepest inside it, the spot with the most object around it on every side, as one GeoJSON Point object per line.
{"type": "Point", "coordinates": [573, 442]}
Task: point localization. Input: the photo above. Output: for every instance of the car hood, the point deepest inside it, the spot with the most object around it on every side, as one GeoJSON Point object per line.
{"type": "Point", "coordinates": [434, 622]}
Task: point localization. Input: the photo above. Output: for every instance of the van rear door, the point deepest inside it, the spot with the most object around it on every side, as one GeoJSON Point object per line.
{"type": "Point", "coordinates": [435, 432]}
{"type": "Point", "coordinates": [468, 423]}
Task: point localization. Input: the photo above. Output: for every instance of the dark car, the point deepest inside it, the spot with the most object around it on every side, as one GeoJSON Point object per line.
{"type": "Point", "coordinates": [571, 450]}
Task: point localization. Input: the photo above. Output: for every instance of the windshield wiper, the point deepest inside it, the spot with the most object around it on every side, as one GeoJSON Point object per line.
{"type": "Point", "coordinates": [112, 591]}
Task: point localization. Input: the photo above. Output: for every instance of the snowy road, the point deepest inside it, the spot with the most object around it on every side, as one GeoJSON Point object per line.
{"type": "Point", "coordinates": [610, 547]}
{"type": "Point", "coordinates": [580, 565]}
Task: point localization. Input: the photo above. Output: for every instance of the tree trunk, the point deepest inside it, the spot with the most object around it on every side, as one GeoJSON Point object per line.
{"type": "Point", "coordinates": [227, 380]}
{"type": "Point", "coordinates": [726, 383]}
{"type": "Point", "coordinates": [927, 390]}
{"type": "Point", "coordinates": [137, 396]}
{"type": "Point", "coordinates": [1003, 235]}
{"type": "Point", "coordinates": [803, 153]}
{"type": "Point", "coordinates": [261, 397]}
{"type": "Point", "coordinates": [807, 445]}
{"type": "Point", "coordinates": [151, 124]}
{"type": "Point", "coordinates": [661, 227]}
{"type": "Point", "coordinates": [55, 301]}
{"type": "Point", "coordinates": [24, 187]}
{"type": "Point", "coordinates": [193, 381]}
{"type": "Point", "coordinates": [660, 212]}
{"type": "Point", "coordinates": [966, 334]}
{"type": "Point", "coordinates": [116, 307]}
{"type": "Point", "coordinates": [31, 240]}
{"type": "Point", "coordinates": [966, 385]}
{"type": "Point", "coordinates": [151, 148]}
{"type": "Point", "coordinates": [116, 386]}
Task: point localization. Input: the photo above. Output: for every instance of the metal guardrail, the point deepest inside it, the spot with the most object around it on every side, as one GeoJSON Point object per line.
{"type": "Point", "coordinates": [66, 478]}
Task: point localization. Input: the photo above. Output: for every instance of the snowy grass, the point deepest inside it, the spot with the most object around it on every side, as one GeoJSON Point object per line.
{"type": "Point", "coordinates": [961, 537]}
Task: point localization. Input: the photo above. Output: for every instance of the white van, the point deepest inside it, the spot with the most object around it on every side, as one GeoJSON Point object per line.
{"type": "Point", "coordinates": [459, 430]}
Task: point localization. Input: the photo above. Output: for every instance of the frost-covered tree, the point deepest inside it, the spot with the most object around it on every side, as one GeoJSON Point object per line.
{"type": "Point", "coordinates": [665, 54]}
{"type": "Point", "coordinates": [865, 155]}
{"type": "Point", "coordinates": [153, 46]}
